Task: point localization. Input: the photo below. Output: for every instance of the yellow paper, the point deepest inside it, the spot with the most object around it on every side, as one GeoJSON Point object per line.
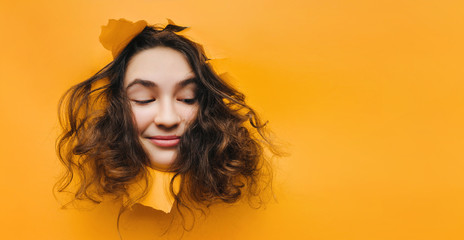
{"type": "Point", "coordinates": [159, 196]}
{"type": "Point", "coordinates": [118, 33]}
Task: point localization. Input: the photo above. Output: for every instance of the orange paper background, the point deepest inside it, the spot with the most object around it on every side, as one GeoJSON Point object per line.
{"type": "Point", "coordinates": [367, 97]}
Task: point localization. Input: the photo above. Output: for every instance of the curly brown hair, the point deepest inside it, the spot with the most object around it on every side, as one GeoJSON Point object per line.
{"type": "Point", "coordinates": [220, 154]}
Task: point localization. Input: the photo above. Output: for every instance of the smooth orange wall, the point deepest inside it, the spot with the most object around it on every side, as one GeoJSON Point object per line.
{"type": "Point", "coordinates": [366, 95]}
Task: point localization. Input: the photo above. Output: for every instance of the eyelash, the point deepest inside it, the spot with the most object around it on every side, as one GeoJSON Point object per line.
{"type": "Point", "coordinates": [189, 101]}
{"type": "Point", "coordinates": [143, 102]}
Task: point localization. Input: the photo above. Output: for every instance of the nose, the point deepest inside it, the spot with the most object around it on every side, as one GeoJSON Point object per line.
{"type": "Point", "coordinates": [167, 116]}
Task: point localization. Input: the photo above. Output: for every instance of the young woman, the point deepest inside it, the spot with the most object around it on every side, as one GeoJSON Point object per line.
{"type": "Point", "coordinates": [159, 106]}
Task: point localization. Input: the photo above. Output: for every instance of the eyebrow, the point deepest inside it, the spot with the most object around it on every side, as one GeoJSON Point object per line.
{"type": "Point", "coordinates": [150, 84]}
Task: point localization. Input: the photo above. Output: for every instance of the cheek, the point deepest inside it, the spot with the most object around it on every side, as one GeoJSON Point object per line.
{"type": "Point", "coordinates": [142, 118]}
{"type": "Point", "coordinates": [189, 113]}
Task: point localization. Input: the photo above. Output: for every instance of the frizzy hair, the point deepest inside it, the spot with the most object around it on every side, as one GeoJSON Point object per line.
{"type": "Point", "coordinates": [221, 154]}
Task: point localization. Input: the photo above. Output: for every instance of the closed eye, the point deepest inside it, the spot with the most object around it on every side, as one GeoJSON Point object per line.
{"type": "Point", "coordinates": [188, 100]}
{"type": "Point", "coordinates": [142, 102]}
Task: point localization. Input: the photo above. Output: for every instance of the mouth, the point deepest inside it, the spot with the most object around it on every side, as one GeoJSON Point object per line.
{"type": "Point", "coordinates": [165, 141]}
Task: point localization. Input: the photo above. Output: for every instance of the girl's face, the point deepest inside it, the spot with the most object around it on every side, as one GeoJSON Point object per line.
{"type": "Point", "coordinates": [160, 85]}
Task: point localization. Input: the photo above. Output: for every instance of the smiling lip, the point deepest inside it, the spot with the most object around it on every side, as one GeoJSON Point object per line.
{"type": "Point", "coordinates": [165, 141]}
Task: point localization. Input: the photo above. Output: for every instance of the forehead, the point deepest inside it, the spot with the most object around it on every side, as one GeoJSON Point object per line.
{"type": "Point", "coordinates": [158, 64]}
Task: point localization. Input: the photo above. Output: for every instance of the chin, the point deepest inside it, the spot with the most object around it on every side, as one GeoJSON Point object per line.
{"type": "Point", "coordinates": [162, 160]}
